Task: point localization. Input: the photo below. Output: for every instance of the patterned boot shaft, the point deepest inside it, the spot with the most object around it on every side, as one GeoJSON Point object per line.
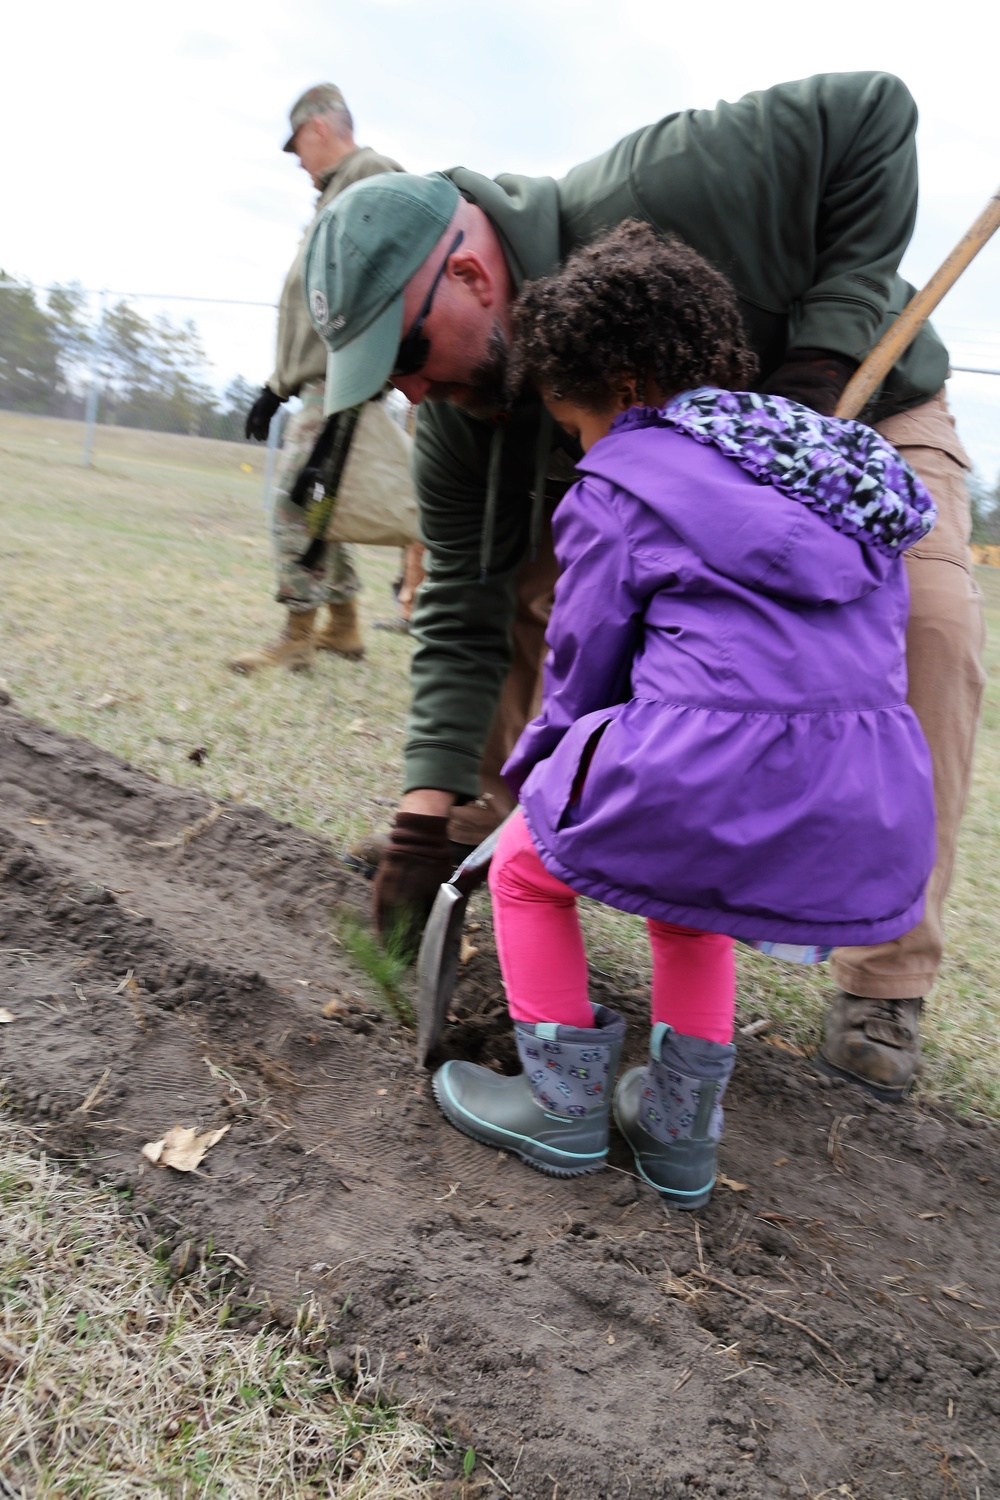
{"type": "Point", "coordinates": [684, 1082]}
{"type": "Point", "coordinates": [571, 1070]}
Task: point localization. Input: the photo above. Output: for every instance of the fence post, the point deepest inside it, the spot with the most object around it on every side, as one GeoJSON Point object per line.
{"type": "Point", "coordinates": [273, 438]}
{"type": "Point", "coordinates": [93, 391]}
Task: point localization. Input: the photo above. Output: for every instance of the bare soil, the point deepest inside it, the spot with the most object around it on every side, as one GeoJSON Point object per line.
{"type": "Point", "coordinates": [828, 1325]}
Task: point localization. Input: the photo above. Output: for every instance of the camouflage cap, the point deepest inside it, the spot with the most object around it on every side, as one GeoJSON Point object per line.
{"type": "Point", "coordinates": [366, 245]}
{"type": "Point", "coordinates": [314, 101]}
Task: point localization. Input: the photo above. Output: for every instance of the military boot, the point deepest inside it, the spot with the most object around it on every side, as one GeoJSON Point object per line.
{"type": "Point", "coordinates": [554, 1115]}
{"type": "Point", "coordinates": [294, 648]}
{"type": "Point", "coordinates": [670, 1113]}
{"type": "Point", "coordinates": [875, 1043]}
{"type": "Point", "coordinates": [341, 633]}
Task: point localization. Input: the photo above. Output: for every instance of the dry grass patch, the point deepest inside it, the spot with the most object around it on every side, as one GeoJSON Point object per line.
{"type": "Point", "coordinates": [116, 1384]}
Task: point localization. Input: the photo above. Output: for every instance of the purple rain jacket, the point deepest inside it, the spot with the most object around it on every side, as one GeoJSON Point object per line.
{"type": "Point", "coordinates": [724, 740]}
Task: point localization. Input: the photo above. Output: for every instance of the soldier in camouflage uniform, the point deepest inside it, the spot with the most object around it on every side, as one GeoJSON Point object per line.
{"type": "Point", "coordinates": [322, 136]}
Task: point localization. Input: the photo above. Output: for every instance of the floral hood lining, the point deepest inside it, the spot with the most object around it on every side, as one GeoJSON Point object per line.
{"type": "Point", "coordinates": [843, 470]}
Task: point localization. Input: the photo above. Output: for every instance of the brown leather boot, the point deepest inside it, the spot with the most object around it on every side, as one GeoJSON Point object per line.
{"type": "Point", "coordinates": [294, 648]}
{"type": "Point", "coordinates": [341, 633]}
{"type": "Point", "coordinates": [875, 1043]}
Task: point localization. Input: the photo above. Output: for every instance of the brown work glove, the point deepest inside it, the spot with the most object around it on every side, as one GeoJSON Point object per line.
{"type": "Point", "coordinates": [417, 861]}
{"type": "Point", "coordinates": [813, 376]}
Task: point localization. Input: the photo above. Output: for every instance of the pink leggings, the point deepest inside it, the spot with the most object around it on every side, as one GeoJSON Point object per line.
{"type": "Point", "coordinates": [545, 967]}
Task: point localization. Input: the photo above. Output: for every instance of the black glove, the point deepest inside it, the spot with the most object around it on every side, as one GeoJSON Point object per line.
{"type": "Point", "coordinates": [816, 377]}
{"type": "Point", "coordinates": [416, 863]}
{"type": "Point", "coordinates": [259, 416]}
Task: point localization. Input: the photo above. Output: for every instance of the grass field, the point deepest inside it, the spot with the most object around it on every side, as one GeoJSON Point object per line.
{"type": "Point", "coordinates": [127, 586]}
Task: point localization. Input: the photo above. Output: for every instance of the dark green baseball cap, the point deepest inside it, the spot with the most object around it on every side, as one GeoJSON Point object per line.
{"type": "Point", "coordinates": [367, 244]}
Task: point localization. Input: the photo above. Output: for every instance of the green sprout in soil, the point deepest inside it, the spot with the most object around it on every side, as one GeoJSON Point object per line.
{"type": "Point", "coordinates": [385, 962]}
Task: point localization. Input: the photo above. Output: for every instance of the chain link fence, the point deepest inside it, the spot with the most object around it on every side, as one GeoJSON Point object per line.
{"type": "Point", "coordinates": [194, 365]}
{"type": "Point", "coordinates": [155, 361]}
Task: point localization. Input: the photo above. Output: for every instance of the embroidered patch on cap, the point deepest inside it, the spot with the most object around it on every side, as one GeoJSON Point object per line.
{"type": "Point", "coordinates": [320, 309]}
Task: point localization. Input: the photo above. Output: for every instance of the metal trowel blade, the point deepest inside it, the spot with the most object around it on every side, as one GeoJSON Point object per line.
{"type": "Point", "coordinates": [437, 967]}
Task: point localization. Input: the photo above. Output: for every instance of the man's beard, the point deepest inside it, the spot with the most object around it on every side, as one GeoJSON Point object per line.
{"type": "Point", "coordinates": [489, 378]}
{"type": "Point", "coordinates": [485, 392]}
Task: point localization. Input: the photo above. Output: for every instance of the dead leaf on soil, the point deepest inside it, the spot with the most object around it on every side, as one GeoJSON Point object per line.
{"type": "Point", "coordinates": [734, 1187]}
{"type": "Point", "coordinates": [467, 950]}
{"type": "Point", "coordinates": [182, 1147]}
{"type": "Point", "coordinates": [356, 726]}
{"type": "Point", "coordinates": [6, 1016]}
{"type": "Point", "coordinates": [783, 1045]}
{"type": "Point", "coordinates": [40, 822]}
{"type": "Point", "coordinates": [333, 1007]}
{"type": "Point", "coordinates": [106, 700]}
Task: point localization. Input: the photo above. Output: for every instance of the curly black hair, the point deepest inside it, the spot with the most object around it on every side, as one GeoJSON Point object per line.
{"type": "Point", "coordinates": [631, 304]}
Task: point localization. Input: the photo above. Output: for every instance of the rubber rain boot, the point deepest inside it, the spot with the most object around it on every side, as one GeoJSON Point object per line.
{"type": "Point", "coordinates": [341, 632]}
{"type": "Point", "coordinates": [670, 1112]}
{"type": "Point", "coordinates": [294, 648]}
{"type": "Point", "coordinates": [555, 1114]}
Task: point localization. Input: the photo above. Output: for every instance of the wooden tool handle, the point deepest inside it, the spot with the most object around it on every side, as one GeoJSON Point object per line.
{"type": "Point", "coordinates": [870, 374]}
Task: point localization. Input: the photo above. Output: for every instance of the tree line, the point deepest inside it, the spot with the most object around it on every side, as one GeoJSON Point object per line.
{"type": "Point", "coordinates": [153, 372]}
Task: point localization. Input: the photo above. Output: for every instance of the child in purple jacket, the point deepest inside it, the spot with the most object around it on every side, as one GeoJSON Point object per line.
{"type": "Point", "coordinates": [724, 744]}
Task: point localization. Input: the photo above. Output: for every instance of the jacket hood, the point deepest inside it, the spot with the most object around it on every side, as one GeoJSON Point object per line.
{"type": "Point", "coordinates": [843, 471]}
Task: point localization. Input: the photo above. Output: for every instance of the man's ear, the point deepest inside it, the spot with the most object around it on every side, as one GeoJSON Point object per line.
{"type": "Point", "coordinates": [474, 274]}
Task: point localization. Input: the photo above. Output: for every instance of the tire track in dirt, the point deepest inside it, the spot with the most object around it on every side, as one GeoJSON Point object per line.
{"type": "Point", "coordinates": [831, 1324]}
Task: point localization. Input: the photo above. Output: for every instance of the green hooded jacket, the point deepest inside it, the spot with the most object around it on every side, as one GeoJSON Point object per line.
{"type": "Point", "coordinates": [804, 194]}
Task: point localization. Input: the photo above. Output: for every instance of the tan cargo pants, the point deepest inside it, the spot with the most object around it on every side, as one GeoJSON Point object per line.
{"type": "Point", "coordinates": [944, 644]}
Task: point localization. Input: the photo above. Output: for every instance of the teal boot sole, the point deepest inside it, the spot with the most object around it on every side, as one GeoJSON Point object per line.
{"type": "Point", "coordinates": [501, 1112]}
{"type": "Point", "coordinates": [682, 1173]}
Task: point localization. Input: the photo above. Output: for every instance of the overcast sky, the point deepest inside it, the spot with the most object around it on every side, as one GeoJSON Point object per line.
{"type": "Point", "coordinates": [142, 143]}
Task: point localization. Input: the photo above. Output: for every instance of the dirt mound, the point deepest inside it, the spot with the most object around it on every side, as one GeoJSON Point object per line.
{"type": "Point", "coordinates": [830, 1320]}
